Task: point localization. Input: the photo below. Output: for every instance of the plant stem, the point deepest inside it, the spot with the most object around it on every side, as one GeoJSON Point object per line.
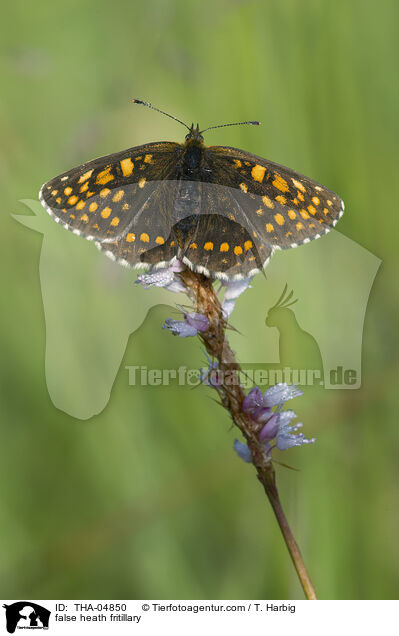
{"type": "Point", "coordinates": [206, 302]}
{"type": "Point", "coordinates": [293, 549]}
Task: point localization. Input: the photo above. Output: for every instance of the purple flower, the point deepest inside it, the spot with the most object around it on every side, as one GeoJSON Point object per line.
{"type": "Point", "coordinates": [199, 321]}
{"type": "Point", "coordinates": [242, 451]}
{"type": "Point", "coordinates": [180, 328]}
{"type": "Point", "coordinates": [163, 277]}
{"type": "Point", "coordinates": [270, 429]}
{"type": "Point", "coordinates": [261, 414]}
{"type": "Point", "coordinates": [190, 326]}
{"type": "Point", "coordinates": [259, 405]}
{"type": "Point", "coordinates": [275, 424]}
{"type": "Point", "coordinates": [253, 400]}
{"type": "Point", "coordinates": [285, 439]}
{"type": "Point", "coordinates": [279, 393]}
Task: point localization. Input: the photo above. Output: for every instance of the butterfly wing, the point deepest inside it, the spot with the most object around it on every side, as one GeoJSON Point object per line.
{"type": "Point", "coordinates": [104, 199]}
{"type": "Point", "coordinates": [285, 208]}
{"type": "Point", "coordinates": [141, 208]}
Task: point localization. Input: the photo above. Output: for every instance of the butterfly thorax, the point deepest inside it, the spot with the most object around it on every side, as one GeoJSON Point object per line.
{"type": "Point", "coordinates": [193, 155]}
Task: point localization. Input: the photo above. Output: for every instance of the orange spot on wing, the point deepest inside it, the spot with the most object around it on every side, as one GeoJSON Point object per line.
{"type": "Point", "coordinates": [279, 218]}
{"type": "Point", "coordinates": [72, 200]}
{"type": "Point", "coordinates": [85, 176]}
{"type": "Point", "coordinates": [68, 191]}
{"type": "Point", "coordinates": [268, 202]}
{"type": "Point", "coordinates": [84, 218]}
{"type": "Point", "coordinates": [299, 185]}
{"type": "Point", "coordinates": [292, 214]}
{"type": "Point", "coordinates": [244, 187]}
{"type": "Point", "coordinates": [208, 246]}
{"type": "Point", "coordinates": [118, 195]}
{"type": "Point", "coordinates": [281, 199]}
{"type": "Point", "coordinates": [144, 237]}
{"type": "Point", "coordinates": [258, 172]}
{"type": "Point", "coordinates": [280, 183]}
{"type": "Point", "coordinates": [237, 250]}
{"type": "Point", "coordinates": [160, 240]}
{"type": "Point", "coordinates": [130, 237]}
{"type": "Point", "coordinates": [224, 247]}
{"type": "Point", "coordinates": [248, 245]}
{"type": "Point", "coordinates": [106, 212]}
{"type": "Point", "coordinates": [104, 176]}
{"type": "Point", "coordinates": [80, 205]}
{"type": "Point", "coordinates": [127, 166]}
{"type": "Point", "coordinates": [299, 226]}
{"type": "Point", "coordinates": [115, 221]}
{"type": "Point", "coordinates": [93, 206]}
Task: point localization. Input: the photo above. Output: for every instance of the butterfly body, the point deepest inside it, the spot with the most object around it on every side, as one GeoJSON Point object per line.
{"type": "Point", "coordinates": [221, 210]}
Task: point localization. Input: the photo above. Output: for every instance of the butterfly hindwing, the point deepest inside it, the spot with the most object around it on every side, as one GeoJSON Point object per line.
{"type": "Point", "coordinates": [219, 244]}
{"type": "Point", "coordinates": [149, 238]}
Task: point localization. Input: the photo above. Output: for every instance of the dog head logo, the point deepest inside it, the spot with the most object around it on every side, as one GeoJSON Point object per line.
{"type": "Point", "coordinates": [26, 615]}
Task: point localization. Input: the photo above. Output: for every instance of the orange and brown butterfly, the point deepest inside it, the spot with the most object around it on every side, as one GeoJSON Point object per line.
{"type": "Point", "coordinates": [220, 210]}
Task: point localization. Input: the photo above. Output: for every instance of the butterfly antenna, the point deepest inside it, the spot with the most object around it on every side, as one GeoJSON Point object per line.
{"type": "Point", "coordinates": [140, 101]}
{"type": "Point", "coordinates": [238, 123]}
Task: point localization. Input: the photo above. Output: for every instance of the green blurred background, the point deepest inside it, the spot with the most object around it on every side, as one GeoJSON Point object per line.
{"type": "Point", "coordinates": [147, 499]}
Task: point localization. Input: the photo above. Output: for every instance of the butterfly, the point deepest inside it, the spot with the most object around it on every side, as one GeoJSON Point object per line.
{"type": "Point", "coordinates": [220, 210]}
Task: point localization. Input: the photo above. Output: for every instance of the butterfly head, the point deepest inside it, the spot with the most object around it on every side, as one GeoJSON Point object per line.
{"type": "Point", "coordinates": [194, 134]}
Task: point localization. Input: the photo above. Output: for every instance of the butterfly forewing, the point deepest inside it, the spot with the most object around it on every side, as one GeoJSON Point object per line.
{"type": "Point", "coordinates": [286, 208]}
{"type": "Point", "coordinates": [101, 198]}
